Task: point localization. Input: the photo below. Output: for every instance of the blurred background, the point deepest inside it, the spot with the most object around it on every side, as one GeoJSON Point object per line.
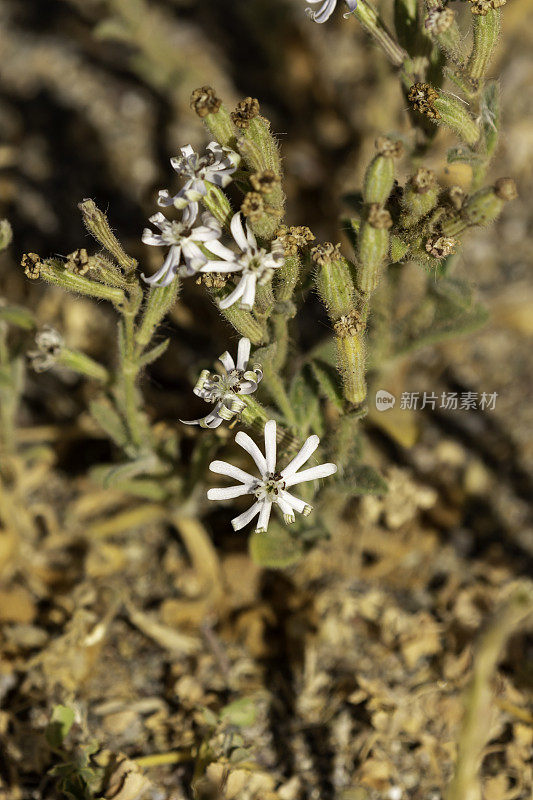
{"type": "Point", "coordinates": [94, 100]}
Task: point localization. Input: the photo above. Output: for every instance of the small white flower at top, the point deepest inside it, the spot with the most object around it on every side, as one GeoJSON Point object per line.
{"type": "Point", "coordinates": [183, 238]}
{"type": "Point", "coordinates": [327, 8]}
{"type": "Point", "coordinates": [224, 389]}
{"type": "Point", "coordinates": [216, 167]}
{"type": "Point", "coordinates": [255, 264]}
{"type": "Point", "coordinates": [271, 487]}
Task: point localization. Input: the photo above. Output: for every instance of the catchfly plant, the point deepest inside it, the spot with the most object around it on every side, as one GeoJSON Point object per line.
{"type": "Point", "coordinates": [327, 8]}
{"type": "Point", "coordinates": [224, 389]}
{"type": "Point", "coordinates": [216, 167]}
{"type": "Point", "coordinates": [271, 487]}
{"type": "Point", "coordinates": [262, 277]}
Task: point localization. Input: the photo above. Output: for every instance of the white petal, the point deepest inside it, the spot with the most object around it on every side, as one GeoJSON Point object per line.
{"type": "Point", "coordinates": [149, 237]}
{"type": "Point", "coordinates": [264, 517]}
{"type": "Point", "coordinates": [323, 13]}
{"type": "Point", "coordinates": [190, 214]}
{"type": "Point", "coordinates": [311, 474]}
{"type": "Point", "coordinates": [159, 219]}
{"type": "Point", "coordinates": [270, 445]}
{"type": "Point", "coordinates": [286, 510]}
{"type": "Point", "coordinates": [243, 353]}
{"type": "Point", "coordinates": [218, 249]}
{"type": "Point", "coordinates": [234, 296]}
{"type": "Point", "coordinates": [223, 468]}
{"type": "Point", "coordinates": [252, 241]}
{"type": "Point", "coordinates": [294, 502]}
{"type": "Point", "coordinates": [187, 151]}
{"type": "Point", "coordinates": [304, 455]}
{"type": "Point", "coordinates": [167, 273]}
{"type": "Point", "coordinates": [229, 493]}
{"type": "Point", "coordinates": [204, 234]}
{"type": "Point", "coordinates": [217, 266]}
{"type": "Point", "coordinates": [248, 444]}
{"type": "Point", "coordinates": [248, 296]}
{"type": "Point", "coordinates": [237, 231]}
{"type": "Point", "coordinates": [243, 519]}
{"type": "Point", "coordinates": [227, 361]}
{"type": "Point", "coordinates": [164, 198]}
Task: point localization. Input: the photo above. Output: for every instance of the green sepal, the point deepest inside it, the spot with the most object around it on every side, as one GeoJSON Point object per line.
{"type": "Point", "coordinates": [328, 381]}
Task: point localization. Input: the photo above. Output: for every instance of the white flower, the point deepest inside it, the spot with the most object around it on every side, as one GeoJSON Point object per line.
{"type": "Point", "coordinates": [271, 487]}
{"type": "Point", "coordinates": [327, 8]}
{"type": "Point", "coordinates": [255, 264]}
{"type": "Point", "coordinates": [224, 389]}
{"type": "Point", "coordinates": [49, 346]}
{"type": "Point", "coordinates": [183, 240]}
{"type": "Point", "coordinates": [215, 167]}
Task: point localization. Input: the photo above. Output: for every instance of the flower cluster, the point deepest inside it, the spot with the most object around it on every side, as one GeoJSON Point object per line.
{"type": "Point", "coordinates": [195, 248]}
{"type": "Point", "coordinates": [192, 245]}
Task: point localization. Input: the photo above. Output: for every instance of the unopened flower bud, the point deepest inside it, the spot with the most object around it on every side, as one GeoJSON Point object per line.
{"type": "Point", "coordinates": [333, 280]}
{"type": "Point", "coordinates": [214, 114]}
{"type": "Point", "coordinates": [246, 110]}
{"type": "Point", "coordinates": [379, 176]}
{"type": "Point", "coordinates": [351, 358]}
{"type": "Point", "coordinates": [419, 197]}
{"type": "Point", "coordinates": [373, 246]}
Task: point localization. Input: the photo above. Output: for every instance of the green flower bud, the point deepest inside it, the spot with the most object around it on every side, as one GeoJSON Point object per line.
{"type": "Point", "coordinates": [351, 364]}
{"type": "Point", "coordinates": [486, 33]}
{"type": "Point", "coordinates": [482, 208]}
{"type": "Point", "coordinates": [379, 177]}
{"type": "Point", "coordinates": [243, 321]}
{"type": "Point", "coordinates": [373, 247]}
{"type": "Point", "coordinates": [215, 115]}
{"type": "Point", "coordinates": [97, 224]}
{"type": "Point", "coordinates": [218, 205]}
{"type": "Point", "coordinates": [454, 115]}
{"type": "Point", "coordinates": [53, 271]}
{"type": "Point", "coordinates": [287, 277]}
{"type": "Point", "coordinates": [333, 280]}
{"type": "Point", "coordinates": [419, 197]}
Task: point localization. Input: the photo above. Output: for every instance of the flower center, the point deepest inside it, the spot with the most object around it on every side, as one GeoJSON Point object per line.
{"type": "Point", "coordinates": [270, 487]}
{"type": "Point", "coordinates": [174, 233]}
{"type": "Point", "coordinates": [220, 386]}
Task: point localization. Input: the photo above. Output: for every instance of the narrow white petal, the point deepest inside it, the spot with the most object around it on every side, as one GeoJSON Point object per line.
{"type": "Point", "coordinates": [187, 151]}
{"type": "Point", "coordinates": [217, 266]}
{"type": "Point", "coordinates": [294, 502]}
{"type": "Point", "coordinates": [227, 361]}
{"type": "Point", "coordinates": [264, 517]}
{"type": "Point", "coordinates": [164, 198]}
{"type": "Point", "coordinates": [246, 517]}
{"type": "Point", "coordinates": [237, 231]}
{"type": "Point", "coordinates": [252, 241]}
{"type": "Point", "coordinates": [204, 234]}
{"type": "Point", "coordinates": [270, 445]}
{"type": "Point", "coordinates": [159, 219]}
{"type": "Point", "coordinates": [149, 237]}
{"type": "Point", "coordinates": [311, 474]}
{"type": "Point", "coordinates": [248, 444]}
{"type": "Point", "coordinates": [229, 493]}
{"type": "Point", "coordinates": [304, 455]}
{"type": "Point", "coordinates": [218, 249]}
{"type": "Point", "coordinates": [286, 509]}
{"type": "Point", "coordinates": [248, 296]}
{"type": "Point", "coordinates": [223, 468]}
{"type": "Point", "coordinates": [234, 296]}
{"type": "Point", "coordinates": [166, 274]}
{"type": "Point", "coordinates": [243, 353]}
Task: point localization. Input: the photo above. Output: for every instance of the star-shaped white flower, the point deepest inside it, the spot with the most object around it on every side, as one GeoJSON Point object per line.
{"type": "Point", "coordinates": [184, 256]}
{"type": "Point", "coordinates": [271, 487]}
{"type": "Point", "coordinates": [327, 8]}
{"type": "Point", "coordinates": [216, 167]}
{"type": "Point", "coordinates": [255, 264]}
{"type": "Point", "coordinates": [224, 389]}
